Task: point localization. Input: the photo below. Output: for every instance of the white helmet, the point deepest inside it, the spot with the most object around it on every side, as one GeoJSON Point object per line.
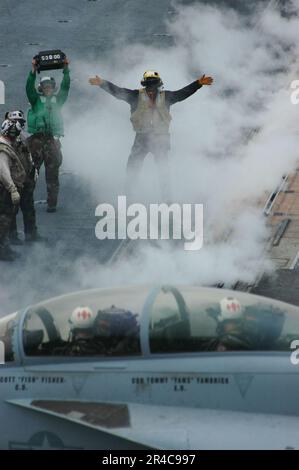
{"type": "Point", "coordinates": [11, 128]}
{"type": "Point", "coordinates": [82, 318]}
{"type": "Point", "coordinates": [46, 81]}
{"type": "Point", "coordinates": [231, 309]}
{"type": "Point", "coordinates": [17, 115]}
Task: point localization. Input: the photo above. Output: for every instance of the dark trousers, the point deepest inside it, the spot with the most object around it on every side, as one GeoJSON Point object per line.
{"type": "Point", "coordinates": [45, 149]}
{"type": "Point", "coordinates": [7, 211]}
{"type": "Point", "coordinates": [158, 146]}
{"type": "Point", "coordinates": [27, 208]}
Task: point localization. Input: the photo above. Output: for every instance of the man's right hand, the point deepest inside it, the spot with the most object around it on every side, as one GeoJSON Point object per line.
{"type": "Point", "coordinates": [15, 197]}
{"type": "Point", "coordinates": [98, 81]}
{"type": "Point", "coordinates": [34, 65]}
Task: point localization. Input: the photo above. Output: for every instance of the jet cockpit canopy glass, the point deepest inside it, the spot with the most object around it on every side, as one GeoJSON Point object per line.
{"type": "Point", "coordinates": [130, 321]}
{"type": "Point", "coordinates": [90, 323]}
{"type": "Point", "coordinates": [202, 320]}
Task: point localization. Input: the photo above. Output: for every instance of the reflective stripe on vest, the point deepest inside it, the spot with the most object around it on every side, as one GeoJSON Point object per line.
{"type": "Point", "coordinates": [53, 99]}
{"type": "Point", "coordinates": [151, 117]}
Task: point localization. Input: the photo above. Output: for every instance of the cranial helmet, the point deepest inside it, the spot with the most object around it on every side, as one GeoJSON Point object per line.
{"type": "Point", "coordinates": [151, 79]}
{"type": "Point", "coordinates": [231, 309]}
{"type": "Point", "coordinates": [82, 318]}
{"type": "Point", "coordinates": [45, 81]}
{"type": "Point", "coordinates": [17, 115]}
{"type": "Point", "coordinates": [11, 128]}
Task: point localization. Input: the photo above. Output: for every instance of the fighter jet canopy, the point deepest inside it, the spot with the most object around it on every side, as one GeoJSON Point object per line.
{"type": "Point", "coordinates": [145, 320]}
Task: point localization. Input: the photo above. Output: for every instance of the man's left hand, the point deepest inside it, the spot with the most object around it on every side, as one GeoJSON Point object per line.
{"type": "Point", "coordinates": [205, 80]}
{"type": "Point", "coordinates": [66, 63]}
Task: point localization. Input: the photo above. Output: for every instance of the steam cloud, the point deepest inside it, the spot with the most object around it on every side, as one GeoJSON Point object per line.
{"type": "Point", "coordinates": [216, 159]}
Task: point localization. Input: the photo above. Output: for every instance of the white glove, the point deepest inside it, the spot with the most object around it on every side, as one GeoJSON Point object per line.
{"type": "Point", "coordinates": [15, 197]}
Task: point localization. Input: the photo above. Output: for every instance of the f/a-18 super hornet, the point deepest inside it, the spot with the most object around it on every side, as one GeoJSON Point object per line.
{"type": "Point", "coordinates": [164, 367]}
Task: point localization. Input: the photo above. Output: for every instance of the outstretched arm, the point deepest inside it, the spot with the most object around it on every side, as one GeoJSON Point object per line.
{"type": "Point", "coordinates": [120, 93]}
{"type": "Point", "coordinates": [184, 93]}
{"type": "Point", "coordinates": [31, 92]}
{"type": "Point", "coordinates": [65, 84]}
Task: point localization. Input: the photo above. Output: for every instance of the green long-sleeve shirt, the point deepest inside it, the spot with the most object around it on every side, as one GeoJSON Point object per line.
{"type": "Point", "coordinates": [45, 112]}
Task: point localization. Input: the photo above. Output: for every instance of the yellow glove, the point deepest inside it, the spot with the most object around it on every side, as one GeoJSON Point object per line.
{"type": "Point", "coordinates": [96, 81]}
{"type": "Point", "coordinates": [15, 196]}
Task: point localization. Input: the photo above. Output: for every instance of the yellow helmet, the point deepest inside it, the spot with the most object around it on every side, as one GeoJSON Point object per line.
{"type": "Point", "coordinates": [151, 79]}
{"type": "Point", "coordinates": [150, 74]}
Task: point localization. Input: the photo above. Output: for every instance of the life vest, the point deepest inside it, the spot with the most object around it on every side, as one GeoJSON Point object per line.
{"type": "Point", "coordinates": [151, 117]}
{"type": "Point", "coordinates": [45, 116]}
{"type": "Point", "coordinates": [17, 171]}
{"type": "Point", "coordinates": [24, 156]}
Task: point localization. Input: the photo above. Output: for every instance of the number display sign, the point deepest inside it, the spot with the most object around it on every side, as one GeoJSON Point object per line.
{"type": "Point", "coordinates": [50, 60]}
